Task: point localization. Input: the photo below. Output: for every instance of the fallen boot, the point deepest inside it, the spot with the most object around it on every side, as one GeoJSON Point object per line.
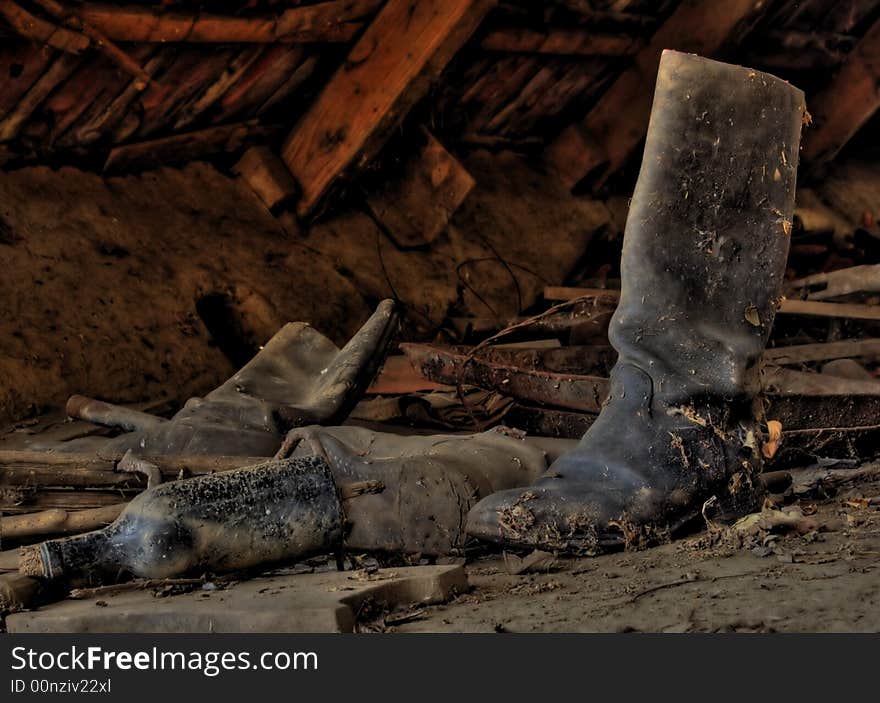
{"type": "Point", "coordinates": [703, 258]}
{"type": "Point", "coordinates": [347, 487]}
{"type": "Point", "coordinates": [420, 487]}
{"type": "Point", "coordinates": [299, 378]}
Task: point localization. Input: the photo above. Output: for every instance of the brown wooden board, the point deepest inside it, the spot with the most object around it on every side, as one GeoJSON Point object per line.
{"type": "Point", "coordinates": [387, 71]}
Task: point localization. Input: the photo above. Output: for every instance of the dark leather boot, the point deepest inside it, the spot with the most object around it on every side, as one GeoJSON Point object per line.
{"type": "Point", "coordinates": [703, 257]}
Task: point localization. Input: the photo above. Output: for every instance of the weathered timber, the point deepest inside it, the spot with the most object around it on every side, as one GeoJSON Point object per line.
{"type": "Point", "coordinates": [60, 70]}
{"type": "Point", "coordinates": [100, 41]}
{"type": "Point", "coordinates": [33, 27]}
{"type": "Point", "coordinates": [803, 353]}
{"type": "Point", "coordinates": [334, 21]}
{"type": "Point", "coordinates": [183, 147]}
{"type": "Point", "coordinates": [58, 522]}
{"type": "Point", "coordinates": [267, 176]}
{"type": "Point", "coordinates": [807, 308]}
{"type": "Point", "coordinates": [583, 393]}
{"type": "Point", "coordinates": [565, 42]}
{"type": "Point", "coordinates": [851, 99]}
{"type": "Point", "coordinates": [606, 138]}
{"type": "Point", "coordinates": [18, 592]}
{"type": "Point", "coordinates": [84, 470]}
{"type": "Point", "coordinates": [832, 284]}
{"type": "Point", "coordinates": [388, 70]}
{"type": "Point", "coordinates": [416, 206]}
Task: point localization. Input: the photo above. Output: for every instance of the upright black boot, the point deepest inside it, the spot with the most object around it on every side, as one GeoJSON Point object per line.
{"type": "Point", "coordinates": [703, 257]}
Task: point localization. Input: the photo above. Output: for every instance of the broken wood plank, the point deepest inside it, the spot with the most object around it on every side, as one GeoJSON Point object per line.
{"type": "Point", "coordinates": [388, 70]}
{"type": "Point", "coordinates": [605, 139]}
{"type": "Point", "coordinates": [180, 148]}
{"type": "Point", "coordinates": [832, 284]}
{"type": "Point", "coordinates": [808, 308]}
{"type": "Point", "coordinates": [416, 207]}
{"type": "Point", "coordinates": [842, 108]}
{"type": "Point", "coordinates": [564, 42]}
{"type": "Point", "coordinates": [334, 21]}
{"type": "Point", "coordinates": [267, 176]}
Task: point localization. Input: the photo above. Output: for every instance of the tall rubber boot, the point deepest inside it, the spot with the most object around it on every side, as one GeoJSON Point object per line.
{"type": "Point", "coordinates": [704, 252]}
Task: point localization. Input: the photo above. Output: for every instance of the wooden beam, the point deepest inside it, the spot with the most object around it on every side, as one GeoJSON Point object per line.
{"type": "Point", "coordinates": [390, 68]}
{"type": "Point", "coordinates": [565, 42]}
{"type": "Point", "coordinates": [609, 134]}
{"type": "Point", "coordinates": [334, 21]}
{"type": "Point", "coordinates": [33, 27]}
{"type": "Point", "coordinates": [417, 206]}
{"type": "Point", "coordinates": [847, 103]}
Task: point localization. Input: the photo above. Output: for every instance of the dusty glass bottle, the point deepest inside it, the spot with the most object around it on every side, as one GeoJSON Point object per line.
{"type": "Point", "coordinates": [269, 513]}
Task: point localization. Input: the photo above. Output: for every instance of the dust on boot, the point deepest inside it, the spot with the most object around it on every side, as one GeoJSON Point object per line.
{"type": "Point", "coordinates": [704, 253]}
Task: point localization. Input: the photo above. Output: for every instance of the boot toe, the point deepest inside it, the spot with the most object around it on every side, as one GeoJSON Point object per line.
{"type": "Point", "coordinates": [560, 519]}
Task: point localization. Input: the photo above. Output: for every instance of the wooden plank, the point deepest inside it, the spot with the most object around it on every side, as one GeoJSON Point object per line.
{"type": "Point", "coordinates": [808, 308]}
{"type": "Point", "coordinates": [609, 134]}
{"type": "Point", "coordinates": [334, 21]}
{"type": "Point", "coordinates": [417, 206]}
{"type": "Point", "coordinates": [841, 109]}
{"type": "Point", "coordinates": [390, 68]}
{"type": "Point", "coordinates": [181, 148]}
{"type": "Point", "coordinates": [265, 173]}
{"type": "Point", "coordinates": [802, 353]}
{"type": "Point", "coordinates": [564, 42]}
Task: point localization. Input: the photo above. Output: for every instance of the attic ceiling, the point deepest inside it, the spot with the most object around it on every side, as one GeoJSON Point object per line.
{"type": "Point", "coordinates": [124, 87]}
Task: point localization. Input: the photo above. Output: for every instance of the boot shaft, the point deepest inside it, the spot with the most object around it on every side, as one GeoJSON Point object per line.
{"type": "Point", "coordinates": [708, 230]}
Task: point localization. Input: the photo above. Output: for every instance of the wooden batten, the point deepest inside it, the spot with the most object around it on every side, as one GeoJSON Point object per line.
{"type": "Point", "coordinates": [416, 207]}
{"type": "Point", "coordinates": [389, 69]}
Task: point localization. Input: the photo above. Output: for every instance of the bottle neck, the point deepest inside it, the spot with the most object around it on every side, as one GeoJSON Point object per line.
{"type": "Point", "coordinates": [83, 557]}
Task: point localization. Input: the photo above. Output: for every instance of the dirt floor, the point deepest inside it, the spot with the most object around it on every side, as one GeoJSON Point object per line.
{"type": "Point", "coordinates": [824, 581]}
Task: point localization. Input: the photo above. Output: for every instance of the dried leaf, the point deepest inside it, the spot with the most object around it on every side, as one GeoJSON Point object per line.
{"type": "Point", "coordinates": [771, 446]}
{"type": "Point", "coordinates": [752, 317]}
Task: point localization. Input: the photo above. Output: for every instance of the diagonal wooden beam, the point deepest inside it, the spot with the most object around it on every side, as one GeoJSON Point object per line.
{"type": "Point", "coordinates": [847, 103]}
{"type": "Point", "coordinates": [330, 21]}
{"type": "Point", "coordinates": [390, 68]}
{"type": "Point", "coordinates": [606, 138]}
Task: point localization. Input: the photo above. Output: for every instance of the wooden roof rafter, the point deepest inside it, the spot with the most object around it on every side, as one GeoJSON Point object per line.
{"type": "Point", "coordinates": [846, 104]}
{"type": "Point", "coordinates": [604, 140]}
